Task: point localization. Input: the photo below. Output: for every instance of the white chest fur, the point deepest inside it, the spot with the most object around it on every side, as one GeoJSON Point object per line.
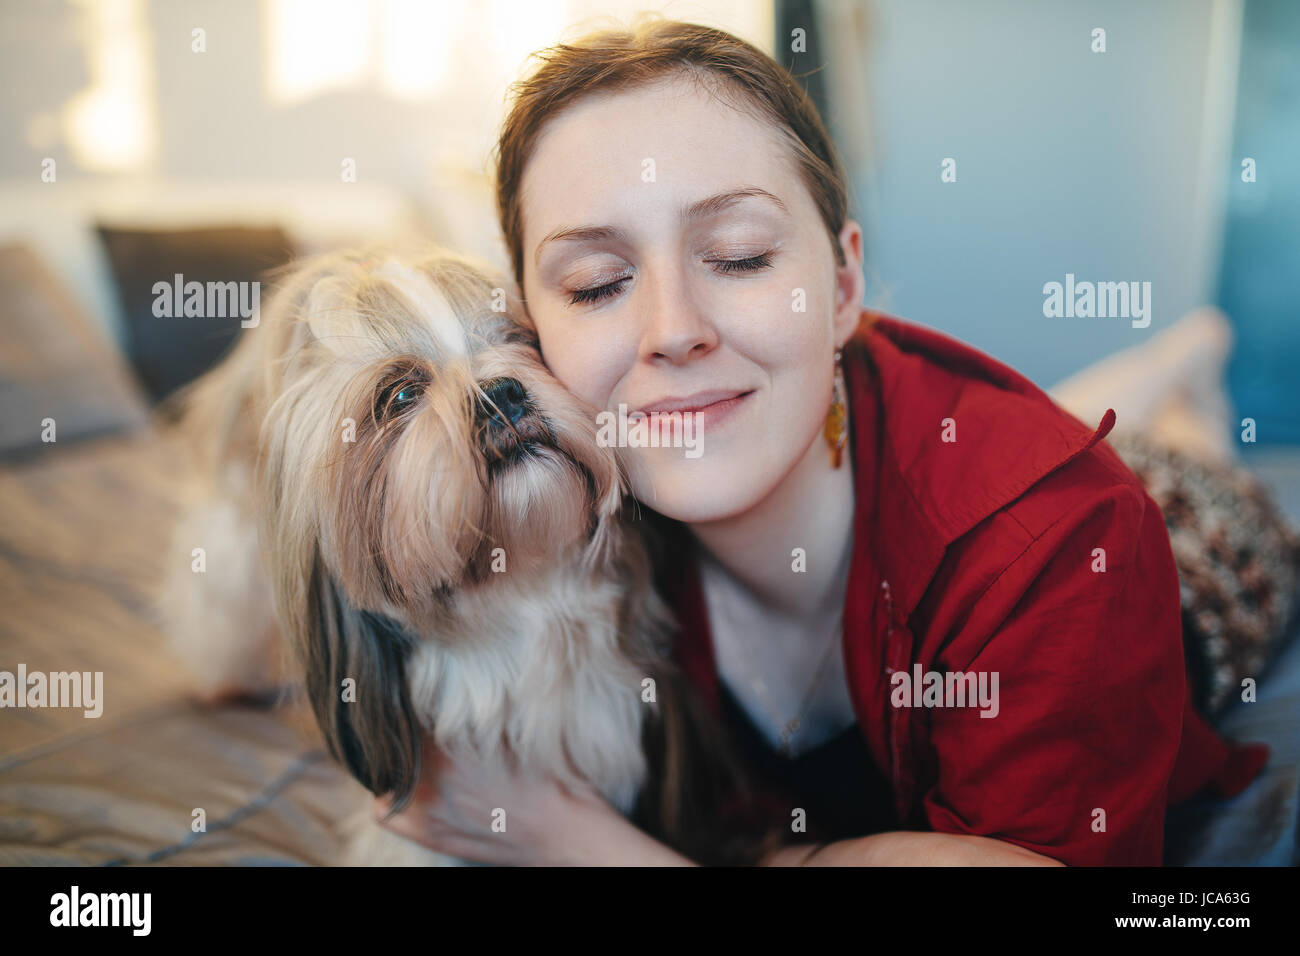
{"type": "Point", "coordinates": [546, 673]}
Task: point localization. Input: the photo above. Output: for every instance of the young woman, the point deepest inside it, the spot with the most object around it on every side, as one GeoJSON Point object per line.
{"type": "Point", "coordinates": [881, 515]}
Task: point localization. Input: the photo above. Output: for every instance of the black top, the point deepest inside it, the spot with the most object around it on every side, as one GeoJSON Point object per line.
{"type": "Point", "coordinates": [837, 783]}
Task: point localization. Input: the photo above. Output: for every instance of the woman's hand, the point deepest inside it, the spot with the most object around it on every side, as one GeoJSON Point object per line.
{"type": "Point", "coordinates": [539, 821]}
{"type": "Point", "coordinates": [910, 848]}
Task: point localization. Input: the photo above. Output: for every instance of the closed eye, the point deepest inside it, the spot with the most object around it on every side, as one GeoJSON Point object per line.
{"type": "Point", "coordinates": [597, 293]}
{"type": "Point", "coordinates": [724, 266]}
{"type": "Point", "coordinates": [727, 266]}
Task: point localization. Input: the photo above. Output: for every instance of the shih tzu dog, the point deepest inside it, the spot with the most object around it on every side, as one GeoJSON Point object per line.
{"type": "Point", "coordinates": [393, 487]}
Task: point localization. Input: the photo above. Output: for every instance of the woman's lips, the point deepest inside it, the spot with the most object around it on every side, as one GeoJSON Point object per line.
{"type": "Point", "coordinates": [706, 408]}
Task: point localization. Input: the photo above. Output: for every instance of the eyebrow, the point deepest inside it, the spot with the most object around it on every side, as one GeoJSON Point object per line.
{"type": "Point", "coordinates": [697, 210]}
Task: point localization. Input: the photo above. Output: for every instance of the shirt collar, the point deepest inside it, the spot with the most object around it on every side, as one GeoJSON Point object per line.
{"type": "Point", "coordinates": [903, 381]}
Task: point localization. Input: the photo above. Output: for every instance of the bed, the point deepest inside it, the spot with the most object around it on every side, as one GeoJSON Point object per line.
{"type": "Point", "coordinates": [82, 546]}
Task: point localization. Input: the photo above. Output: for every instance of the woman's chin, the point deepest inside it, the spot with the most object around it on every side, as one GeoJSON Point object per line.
{"type": "Point", "coordinates": [699, 490]}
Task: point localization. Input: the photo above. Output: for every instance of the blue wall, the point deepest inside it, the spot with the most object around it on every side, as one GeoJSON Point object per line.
{"type": "Point", "coordinates": [1260, 282]}
{"type": "Point", "coordinates": [1068, 161]}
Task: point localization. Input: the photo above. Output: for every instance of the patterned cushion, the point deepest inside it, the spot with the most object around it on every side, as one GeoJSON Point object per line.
{"type": "Point", "coordinates": [1238, 563]}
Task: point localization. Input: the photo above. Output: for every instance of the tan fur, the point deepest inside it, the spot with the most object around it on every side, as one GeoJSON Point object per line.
{"type": "Point", "coordinates": [378, 553]}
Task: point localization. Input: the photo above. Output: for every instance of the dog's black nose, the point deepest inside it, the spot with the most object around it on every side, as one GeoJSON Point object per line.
{"type": "Point", "coordinates": [508, 397]}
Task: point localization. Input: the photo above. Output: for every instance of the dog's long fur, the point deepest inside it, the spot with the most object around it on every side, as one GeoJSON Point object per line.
{"type": "Point", "coordinates": [356, 477]}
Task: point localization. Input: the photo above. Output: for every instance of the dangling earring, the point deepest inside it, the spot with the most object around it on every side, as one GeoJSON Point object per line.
{"type": "Point", "coordinates": [836, 430]}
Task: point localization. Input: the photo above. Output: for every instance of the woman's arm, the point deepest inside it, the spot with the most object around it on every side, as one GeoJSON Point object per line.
{"type": "Point", "coordinates": [906, 848]}
{"type": "Point", "coordinates": [610, 840]}
{"type": "Point", "coordinates": [554, 826]}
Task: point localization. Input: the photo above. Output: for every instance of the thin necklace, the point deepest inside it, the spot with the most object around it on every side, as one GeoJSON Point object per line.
{"type": "Point", "coordinates": [791, 726]}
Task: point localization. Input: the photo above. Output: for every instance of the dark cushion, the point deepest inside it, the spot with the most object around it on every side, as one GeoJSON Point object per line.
{"type": "Point", "coordinates": [172, 349]}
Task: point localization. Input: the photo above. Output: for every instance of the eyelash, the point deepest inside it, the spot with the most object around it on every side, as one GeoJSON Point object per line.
{"type": "Point", "coordinates": [725, 266]}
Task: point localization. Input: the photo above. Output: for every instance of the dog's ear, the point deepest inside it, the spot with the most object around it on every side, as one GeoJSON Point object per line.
{"type": "Point", "coordinates": [369, 723]}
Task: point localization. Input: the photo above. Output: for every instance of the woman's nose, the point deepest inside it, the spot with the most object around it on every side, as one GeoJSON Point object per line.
{"type": "Point", "coordinates": [676, 326]}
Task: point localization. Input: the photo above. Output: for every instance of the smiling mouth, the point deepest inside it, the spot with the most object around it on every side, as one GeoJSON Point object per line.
{"type": "Point", "coordinates": [714, 401]}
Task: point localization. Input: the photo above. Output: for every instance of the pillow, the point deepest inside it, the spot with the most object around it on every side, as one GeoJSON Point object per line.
{"type": "Point", "coordinates": [56, 364]}
{"type": "Point", "coordinates": [170, 350]}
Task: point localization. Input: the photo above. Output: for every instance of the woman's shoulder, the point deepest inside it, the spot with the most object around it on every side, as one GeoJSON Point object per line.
{"type": "Point", "coordinates": [970, 435]}
{"type": "Point", "coordinates": [909, 352]}
{"type": "Point", "coordinates": [980, 468]}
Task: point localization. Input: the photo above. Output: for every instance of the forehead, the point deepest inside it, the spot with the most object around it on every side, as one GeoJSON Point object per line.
{"type": "Point", "coordinates": [665, 143]}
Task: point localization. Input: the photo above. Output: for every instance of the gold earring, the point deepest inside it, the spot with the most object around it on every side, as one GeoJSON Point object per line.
{"type": "Point", "coordinates": [836, 430]}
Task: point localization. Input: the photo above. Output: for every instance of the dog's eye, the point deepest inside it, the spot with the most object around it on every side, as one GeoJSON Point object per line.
{"type": "Point", "coordinates": [397, 397]}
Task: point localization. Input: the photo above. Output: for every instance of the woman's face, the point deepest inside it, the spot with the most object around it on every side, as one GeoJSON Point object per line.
{"type": "Point", "coordinates": [674, 259]}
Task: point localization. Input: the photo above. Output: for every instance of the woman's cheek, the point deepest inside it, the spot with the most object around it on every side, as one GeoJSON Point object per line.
{"type": "Point", "coordinates": [784, 324]}
{"type": "Point", "coordinates": [562, 351]}
{"type": "Point", "coordinates": [574, 359]}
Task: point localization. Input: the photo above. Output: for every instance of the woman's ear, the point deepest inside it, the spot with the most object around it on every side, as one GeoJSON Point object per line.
{"type": "Point", "coordinates": [850, 285]}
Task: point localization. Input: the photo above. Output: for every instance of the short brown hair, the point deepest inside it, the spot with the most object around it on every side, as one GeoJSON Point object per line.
{"type": "Point", "coordinates": [652, 48]}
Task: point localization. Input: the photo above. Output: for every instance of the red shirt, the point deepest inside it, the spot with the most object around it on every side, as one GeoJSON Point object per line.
{"type": "Point", "coordinates": [979, 554]}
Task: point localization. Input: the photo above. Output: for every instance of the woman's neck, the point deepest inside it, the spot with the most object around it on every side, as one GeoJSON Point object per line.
{"type": "Point", "coordinates": [812, 510]}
